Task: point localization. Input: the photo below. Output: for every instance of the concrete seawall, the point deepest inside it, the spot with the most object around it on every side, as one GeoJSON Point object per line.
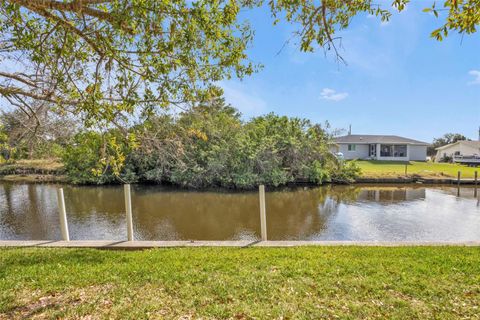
{"type": "Point", "coordinates": [135, 245]}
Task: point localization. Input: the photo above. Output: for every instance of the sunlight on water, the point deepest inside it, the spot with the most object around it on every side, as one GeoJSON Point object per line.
{"type": "Point", "coordinates": [368, 212]}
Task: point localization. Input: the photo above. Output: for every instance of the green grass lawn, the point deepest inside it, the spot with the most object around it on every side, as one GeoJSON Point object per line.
{"type": "Point", "coordinates": [387, 169]}
{"type": "Point", "coordinates": [232, 283]}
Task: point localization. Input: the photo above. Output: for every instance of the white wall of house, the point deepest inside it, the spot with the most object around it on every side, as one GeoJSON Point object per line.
{"type": "Point", "coordinates": [360, 152]}
{"type": "Point", "coordinates": [417, 153]}
{"type": "Point", "coordinates": [414, 152]}
{"type": "Point", "coordinates": [334, 148]}
{"type": "Point", "coordinates": [462, 149]}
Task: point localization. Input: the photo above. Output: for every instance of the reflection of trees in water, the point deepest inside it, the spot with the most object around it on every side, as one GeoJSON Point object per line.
{"type": "Point", "coordinates": [28, 211]}
{"type": "Point", "coordinates": [166, 214]}
{"type": "Point", "coordinates": [85, 200]}
{"type": "Point", "coordinates": [212, 215]}
{"type": "Point", "coordinates": [381, 194]}
{"type": "Point", "coordinates": [96, 212]}
{"type": "Point", "coordinates": [194, 215]}
{"type": "Point", "coordinates": [389, 196]}
{"type": "Point", "coordinates": [6, 199]}
{"type": "Point", "coordinates": [8, 219]}
{"type": "Point", "coordinates": [303, 213]}
{"type": "Point", "coordinates": [343, 193]}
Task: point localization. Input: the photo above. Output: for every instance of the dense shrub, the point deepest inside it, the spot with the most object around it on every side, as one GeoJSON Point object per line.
{"type": "Point", "coordinates": [446, 158]}
{"type": "Point", "coordinates": [346, 171]}
{"type": "Point", "coordinates": [98, 158]}
{"type": "Point", "coordinates": [210, 146]}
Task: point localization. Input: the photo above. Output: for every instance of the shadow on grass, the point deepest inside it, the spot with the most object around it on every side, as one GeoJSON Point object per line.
{"type": "Point", "coordinates": [47, 256]}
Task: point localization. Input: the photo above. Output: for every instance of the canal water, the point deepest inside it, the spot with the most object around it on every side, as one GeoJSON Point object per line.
{"type": "Point", "coordinates": [360, 212]}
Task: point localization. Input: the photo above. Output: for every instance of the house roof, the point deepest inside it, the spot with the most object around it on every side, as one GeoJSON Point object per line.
{"type": "Point", "coordinates": [474, 144]}
{"type": "Point", "coordinates": [368, 138]}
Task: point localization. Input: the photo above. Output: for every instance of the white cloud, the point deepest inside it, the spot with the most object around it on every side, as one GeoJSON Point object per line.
{"type": "Point", "coordinates": [476, 76]}
{"type": "Point", "coordinates": [333, 95]}
{"type": "Point", "coordinates": [244, 99]}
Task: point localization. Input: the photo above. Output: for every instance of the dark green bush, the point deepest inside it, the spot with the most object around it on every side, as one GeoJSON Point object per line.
{"type": "Point", "coordinates": [210, 146]}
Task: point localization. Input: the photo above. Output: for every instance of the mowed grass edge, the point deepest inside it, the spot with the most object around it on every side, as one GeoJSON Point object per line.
{"type": "Point", "coordinates": [391, 169]}
{"type": "Point", "coordinates": [241, 283]}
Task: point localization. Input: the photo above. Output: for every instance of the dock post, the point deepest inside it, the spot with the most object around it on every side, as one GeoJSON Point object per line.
{"type": "Point", "coordinates": [128, 209]}
{"type": "Point", "coordinates": [263, 213]}
{"type": "Point", "coordinates": [405, 169]}
{"type": "Point", "coordinates": [475, 182]}
{"type": "Point", "coordinates": [458, 184]}
{"type": "Point", "coordinates": [63, 215]}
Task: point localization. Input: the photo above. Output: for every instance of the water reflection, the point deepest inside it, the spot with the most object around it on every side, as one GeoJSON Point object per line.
{"type": "Point", "coordinates": [391, 195]}
{"type": "Point", "coordinates": [368, 212]}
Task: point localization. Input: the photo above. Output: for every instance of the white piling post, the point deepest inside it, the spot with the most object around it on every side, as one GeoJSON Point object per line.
{"type": "Point", "coordinates": [475, 182]}
{"type": "Point", "coordinates": [263, 213]}
{"type": "Point", "coordinates": [63, 215]}
{"type": "Point", "coordinates": [128, 209]}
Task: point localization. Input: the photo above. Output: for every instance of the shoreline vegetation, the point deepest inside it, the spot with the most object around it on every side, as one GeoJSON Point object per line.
{"type": "Point", "coordinates": [53, 171]}
{"type": "Point", "coordinates": [246, 283]}
{"type": "Point", "coordinates": [32, 171]}
{"type": "Point", "coordinates": [208, 146]}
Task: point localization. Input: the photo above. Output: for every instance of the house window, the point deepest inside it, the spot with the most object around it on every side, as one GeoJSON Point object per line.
{"type": "Point", "coordinates": [390, 150]}
{"type": "Point", "coordinates": [400, 150]}
{"type": "Point", "coordinates": [351, 147]}
{"type": "Point", "coordinates": [386, 150]}
{"type": "Point", "coordinates": [457, 153]}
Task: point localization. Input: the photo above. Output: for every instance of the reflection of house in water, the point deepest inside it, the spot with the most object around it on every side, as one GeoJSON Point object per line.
{"type": "Point", "coordinates": [391, 194]}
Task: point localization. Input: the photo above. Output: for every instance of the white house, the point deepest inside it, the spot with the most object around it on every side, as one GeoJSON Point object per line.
{"type": "Point", "coordinates": [459, 148]}
{"type": "Point", "coordinates": [379, 147]}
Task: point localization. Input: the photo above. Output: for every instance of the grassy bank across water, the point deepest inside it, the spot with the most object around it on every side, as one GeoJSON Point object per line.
{"type": "Point", "coordinates": [394, 169]}
{"type": "Point", "coordinates": [37, 170]}
{"type": "Point", "coordinates": [260, 283]}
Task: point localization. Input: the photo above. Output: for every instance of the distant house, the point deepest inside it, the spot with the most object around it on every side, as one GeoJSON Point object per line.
{"type": "Point", "coordinates": [458, 149]}
{"type": "Point", "coordinates": [379, 147]}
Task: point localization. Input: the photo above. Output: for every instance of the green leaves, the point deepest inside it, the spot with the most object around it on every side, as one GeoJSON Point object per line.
{"type": "Point", "coordinates": [209, 146]}
{"type": "Point", "coordinates": [463, 16]}
{"type": "Point", "coordinates": [98, 158]}
{"type": "Point", "coordinates": [97, 59]}
{"type": "Point", "coordinates": [150, 55]}
{"type": "Point", "coordinates": [319, 22]}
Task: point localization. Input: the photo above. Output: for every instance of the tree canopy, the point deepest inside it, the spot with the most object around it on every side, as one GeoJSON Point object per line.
{"type": "Point", "coordinates": [107, 62]}
{"type": "Point", "coordinates": [210, 146]}
{"type": "Point", "coordinates": [447, 138]}
{"type": "Point", "coordinates": [100, 60]}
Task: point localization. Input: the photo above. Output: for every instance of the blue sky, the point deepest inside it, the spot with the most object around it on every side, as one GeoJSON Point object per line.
{"type": "Point", "coordinates": [397, 79]}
